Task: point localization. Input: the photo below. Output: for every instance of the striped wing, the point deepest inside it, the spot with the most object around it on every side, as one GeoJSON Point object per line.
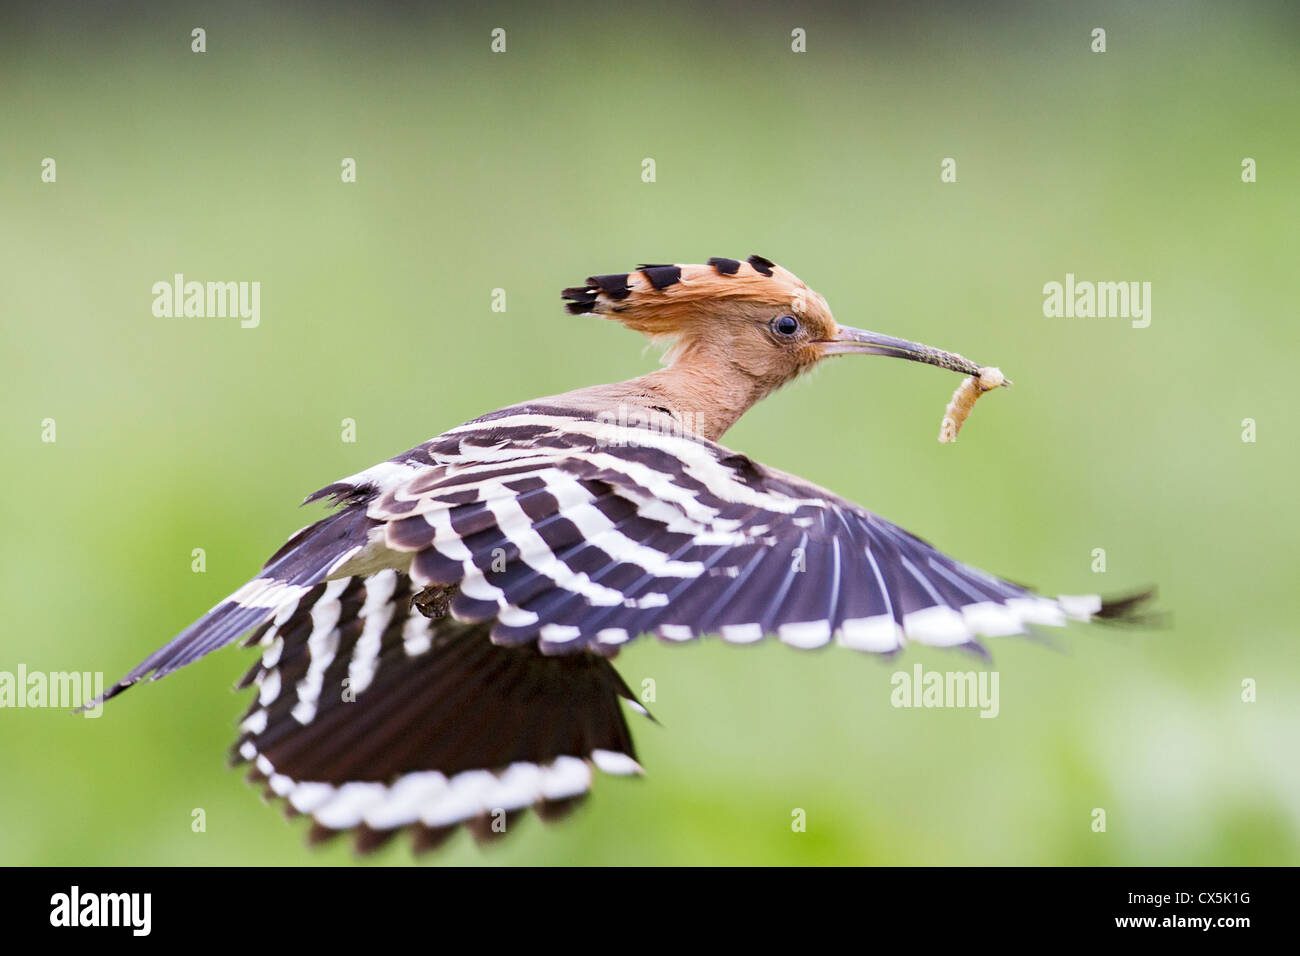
{"type": "Point", "coordinates": [581, 534]}
{"type": "Point", "coordinates": [420, 659]}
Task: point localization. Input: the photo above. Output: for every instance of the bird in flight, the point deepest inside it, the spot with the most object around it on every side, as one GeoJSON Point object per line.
{"type": "Point", "coordinates": [436, 652]}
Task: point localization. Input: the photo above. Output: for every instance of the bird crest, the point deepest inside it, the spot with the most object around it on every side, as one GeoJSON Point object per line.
{"type": "Point", "coordinates": [671, 300]}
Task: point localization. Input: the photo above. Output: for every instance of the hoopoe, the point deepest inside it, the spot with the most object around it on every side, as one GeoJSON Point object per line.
{"type": "Point", "coordinates": [437, 651]}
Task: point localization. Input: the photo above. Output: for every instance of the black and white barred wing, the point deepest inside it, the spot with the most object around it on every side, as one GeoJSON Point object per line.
{"type": "Point", "coordinates": [582, 535]}
{"type": "Point", "coordinates": [422, 647]}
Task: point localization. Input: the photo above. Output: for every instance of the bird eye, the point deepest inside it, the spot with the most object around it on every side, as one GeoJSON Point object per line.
{"type": "Point", "coordinates": [786, 325]}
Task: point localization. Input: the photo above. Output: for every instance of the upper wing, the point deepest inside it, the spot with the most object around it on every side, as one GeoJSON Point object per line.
{"type": "Point", "coordinates": [583, 534]}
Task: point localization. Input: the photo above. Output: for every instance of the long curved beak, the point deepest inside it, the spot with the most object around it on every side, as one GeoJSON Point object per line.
{"type": "Point", "coordinates": [851, 341]}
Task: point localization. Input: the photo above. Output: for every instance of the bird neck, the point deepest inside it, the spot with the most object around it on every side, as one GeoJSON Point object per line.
{"type": "Point", "coordinates": [707, 398]}
{"type": "Point", "coordinates": [704, 393]}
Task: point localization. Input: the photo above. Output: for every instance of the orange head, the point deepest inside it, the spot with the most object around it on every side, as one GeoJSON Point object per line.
{"type": "Point", "coordinates": [753, 316]}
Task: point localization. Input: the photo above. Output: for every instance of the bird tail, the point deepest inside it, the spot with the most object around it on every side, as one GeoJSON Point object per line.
{"type": "Point", "coordinates": [372, 717]}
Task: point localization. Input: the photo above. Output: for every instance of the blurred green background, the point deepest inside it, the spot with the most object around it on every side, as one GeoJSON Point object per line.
{"type": "Point", "coordinates": [522, 171]}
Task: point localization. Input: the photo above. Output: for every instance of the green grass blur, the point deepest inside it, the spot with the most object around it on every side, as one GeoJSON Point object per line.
{"type": "Point", "coordinates": [522, 171]}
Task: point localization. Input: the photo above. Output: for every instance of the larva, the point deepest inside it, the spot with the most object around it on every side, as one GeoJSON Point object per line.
{"type": "Point", "coordinates": [963, 400]}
